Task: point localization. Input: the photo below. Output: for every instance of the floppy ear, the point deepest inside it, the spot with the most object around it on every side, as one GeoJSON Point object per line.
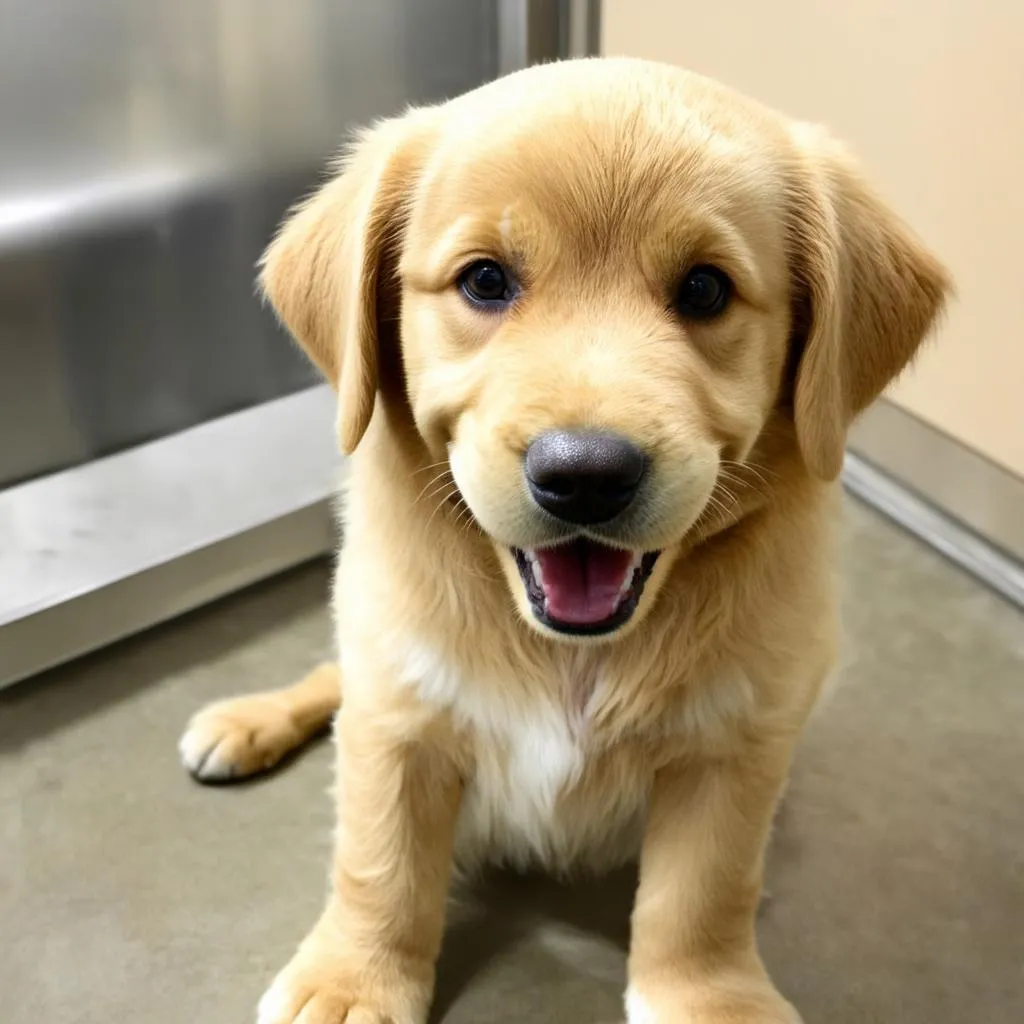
{"type": "Point", "coordinates": [868, 290]}
{"type": "Point", "coordinates": [325, 271]}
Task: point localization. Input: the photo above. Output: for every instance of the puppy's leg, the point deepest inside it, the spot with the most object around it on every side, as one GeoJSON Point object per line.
{"type": "Point", "coordinates": [370, 959]}
{"type": "Point", "coordinates": [244, 735]}
{"type": "Point", "coordinates": [693, 958]}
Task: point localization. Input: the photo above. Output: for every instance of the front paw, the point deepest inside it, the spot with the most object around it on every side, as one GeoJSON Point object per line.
{"type": "Point", "coordinates": [327, 983]}
{"type": "Point", "coordinates": [737, 999]}
{"type": "Point", "coordinates": [238, 737]}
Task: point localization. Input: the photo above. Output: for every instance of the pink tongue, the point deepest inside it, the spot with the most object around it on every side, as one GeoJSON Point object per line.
{"type": "Point", "coordinates": [582, 581]}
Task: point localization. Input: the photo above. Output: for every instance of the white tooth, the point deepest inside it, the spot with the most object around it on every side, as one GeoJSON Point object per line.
{"type": "Point", "coordinates": [535, 566]}
{"type": "Point", "coordinates": [626, 584]}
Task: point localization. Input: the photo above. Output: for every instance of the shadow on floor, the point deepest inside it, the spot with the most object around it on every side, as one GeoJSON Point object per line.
{"type": "Point", "coordinates": [504, 910]}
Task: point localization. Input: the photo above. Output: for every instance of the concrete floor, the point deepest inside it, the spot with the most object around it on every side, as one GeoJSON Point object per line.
{"type": "Point", "coordinates": [128, 893]}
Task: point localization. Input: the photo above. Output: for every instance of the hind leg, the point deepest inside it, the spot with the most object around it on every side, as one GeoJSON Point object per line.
{"type": "Point", "coordinates": [242, 736]}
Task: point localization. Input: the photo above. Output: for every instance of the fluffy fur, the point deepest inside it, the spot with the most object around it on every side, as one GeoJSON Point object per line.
{"type": "Point", "coordinates": [466, 731]}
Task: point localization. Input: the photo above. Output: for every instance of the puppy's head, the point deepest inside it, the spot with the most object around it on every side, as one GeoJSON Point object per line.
{"type": "Point", "coordinates": [601, 280]}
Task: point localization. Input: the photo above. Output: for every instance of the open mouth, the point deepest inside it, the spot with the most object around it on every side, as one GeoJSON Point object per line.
{"type": "Point", "coordinates": [582, 587]}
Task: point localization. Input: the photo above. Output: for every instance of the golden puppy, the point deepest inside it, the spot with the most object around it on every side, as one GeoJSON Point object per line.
{"type": "Point", "coordinates": [597, 330]}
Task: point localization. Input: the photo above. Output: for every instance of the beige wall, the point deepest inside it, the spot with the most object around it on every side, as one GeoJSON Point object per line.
{"type": "Point", "coordinates": [930, 96]}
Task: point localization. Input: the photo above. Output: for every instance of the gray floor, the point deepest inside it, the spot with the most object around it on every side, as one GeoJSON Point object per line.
{"type": "Point", "coordinates": [127, 893]}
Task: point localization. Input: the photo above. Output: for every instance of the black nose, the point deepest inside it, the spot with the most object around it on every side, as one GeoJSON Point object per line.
{"type": "Point", "coordinates": [583, 477]}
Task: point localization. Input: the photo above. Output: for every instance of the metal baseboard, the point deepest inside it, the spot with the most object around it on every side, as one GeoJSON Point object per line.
{"type": "Point", "coordinates": [101, 551]}
{"type": "Point", "coordinates": [951, 497]}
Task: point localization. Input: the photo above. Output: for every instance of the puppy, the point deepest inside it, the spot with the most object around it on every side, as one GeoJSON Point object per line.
{"type": "Point", "coordinates": [597, 330]}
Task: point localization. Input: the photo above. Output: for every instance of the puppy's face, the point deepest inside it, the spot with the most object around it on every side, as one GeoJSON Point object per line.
{"type": "Point", "coordinates": [598, 265]}
{"type": "Point", "coordinates": [595, 316]}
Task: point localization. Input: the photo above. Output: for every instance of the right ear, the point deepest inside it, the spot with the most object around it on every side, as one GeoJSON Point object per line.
{"type": "Point", "coordinates": [323, 271]}
{"type": "Point", "coordinates": [871, 289]}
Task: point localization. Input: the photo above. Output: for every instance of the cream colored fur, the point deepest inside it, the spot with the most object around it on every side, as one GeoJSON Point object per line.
{"type": "Point", "coordinates": [467, 732]}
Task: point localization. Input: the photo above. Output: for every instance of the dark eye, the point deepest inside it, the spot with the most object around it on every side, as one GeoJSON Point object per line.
{"type": "Point", "coordinates": [703, 293]}
{"type": "Point", "coordinates": [486, 283]}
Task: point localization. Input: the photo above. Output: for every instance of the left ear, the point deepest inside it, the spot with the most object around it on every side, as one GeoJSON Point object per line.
{"type": "Point", "coordinates": [324, 273]}
{"type": "Point", "coordinates": [872, 293]}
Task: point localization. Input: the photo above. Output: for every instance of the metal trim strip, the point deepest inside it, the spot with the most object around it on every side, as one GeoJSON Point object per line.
{"type": "Point", "coordinates": [103, 550]}
{"type": "Point", "coordinates": [953, 498]}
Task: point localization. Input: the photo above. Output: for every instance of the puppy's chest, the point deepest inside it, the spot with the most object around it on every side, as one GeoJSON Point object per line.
{"type": "Point", "coordinates": [549, 782]}
{"type": "Point", "coordinates": [544, 788]}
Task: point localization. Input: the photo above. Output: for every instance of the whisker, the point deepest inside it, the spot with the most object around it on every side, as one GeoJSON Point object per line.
{"type": "Point", "coordinates": [445, 498]}
{"type": "Point", "coordinates": [430, 483]}
{"type": "Point", "coordinates": [464, 522]}
{"type": "Point", "coordinates": [739, 481]}
{"type": "Point", "coordinates": [465, 516]}
{"type": "Point", "coordinates": [728, 494]}
{"type": "Point", "coordinates": [465, 519]}
{"type": "Point", "coordinates": [718, 506]}
{"type": "Point", "coordinates": [444, 485]}
{"type": "Point", "coordinates": [702, 535]}
{"type": "Point", "coordinates": [433, 465]}
{"type": "Point", "coordinates": [757, 470]}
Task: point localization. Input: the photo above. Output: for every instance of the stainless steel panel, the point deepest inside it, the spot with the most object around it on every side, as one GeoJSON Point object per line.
{"type": "Point", "coordinates": [985, 497]}
{"type": "Point", "coordinates": [535, 31]}
{"type": "Point", "coordinates": [149, 147]}
{"type": "Point", "coordinates": [960, 502]}
{"type": "Point", "coordinates": [148, 151]}
{"type": "Point", "coordinates": [948, 535]}
{"type": "Point", "coordinates": [98, 551]}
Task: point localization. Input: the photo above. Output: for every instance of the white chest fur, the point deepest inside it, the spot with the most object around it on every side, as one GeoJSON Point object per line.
{"type": "Point", "coordinates": [531, 751]}
{"type": "Point", "coordinates": [522, 777]}
{"type": "Point", "coordinates": [545, 789]}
